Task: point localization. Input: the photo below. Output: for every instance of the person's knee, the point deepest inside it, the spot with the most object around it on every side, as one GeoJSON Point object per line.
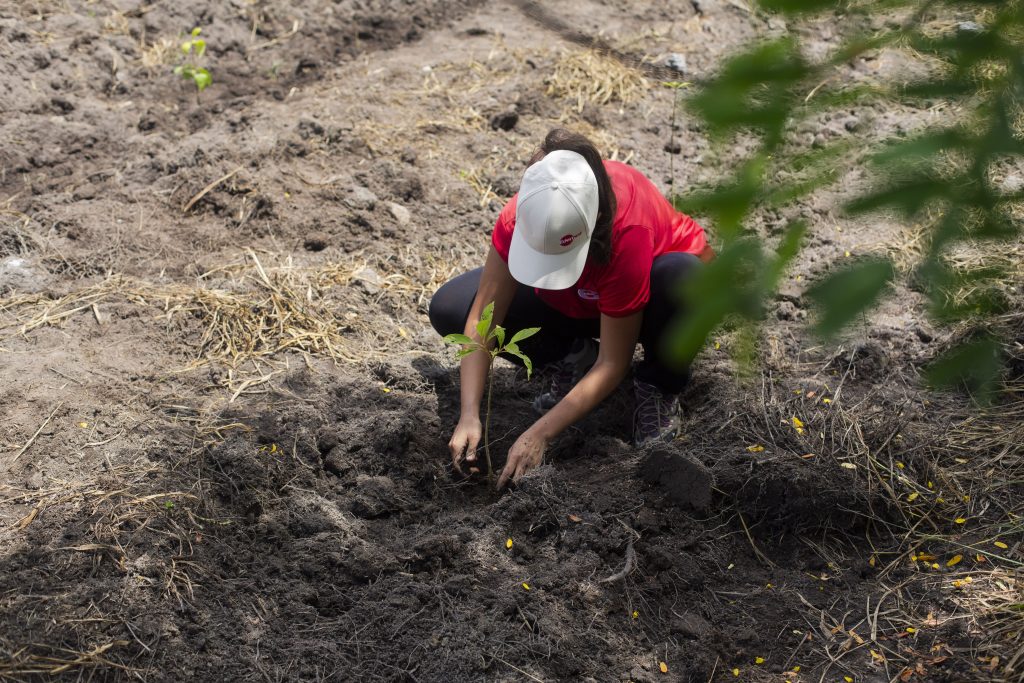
{"type": "Point", "coordinates": [440, 311]}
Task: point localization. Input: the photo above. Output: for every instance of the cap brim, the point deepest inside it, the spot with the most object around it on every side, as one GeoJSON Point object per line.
{"type": "Point", "coordinates": [546, 271]}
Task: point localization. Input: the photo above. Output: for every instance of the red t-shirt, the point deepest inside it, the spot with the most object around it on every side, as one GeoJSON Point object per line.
{"type": "Point", "coordinates": [646, 226]}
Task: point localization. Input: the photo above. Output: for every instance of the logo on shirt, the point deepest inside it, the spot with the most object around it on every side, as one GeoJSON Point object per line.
{"type": "Point", "coordinates": [568, 239]}
{"type": "Point", "coordinates": [588, 294]}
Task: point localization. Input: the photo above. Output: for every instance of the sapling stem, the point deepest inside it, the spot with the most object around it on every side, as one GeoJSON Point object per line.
{"type": "Point", "coordinates": [487, 421]}
{"type": "Point", "coordinates": [495, 334]}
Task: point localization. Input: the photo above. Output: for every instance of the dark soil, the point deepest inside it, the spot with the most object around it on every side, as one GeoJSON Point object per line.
{"type": "Point", "coordinates": [294, 516]}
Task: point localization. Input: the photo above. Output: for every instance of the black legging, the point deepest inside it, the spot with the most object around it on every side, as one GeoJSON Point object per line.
{"type": "Point", "coordinates": [450, 306]}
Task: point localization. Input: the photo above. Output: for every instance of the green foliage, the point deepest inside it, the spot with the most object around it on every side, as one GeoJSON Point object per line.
{"type": "Point", "coordinates": [193, 50]}
{"type": "Point", "coordinates": [492, 342]}
{"type": "Point", "coordinates": [942, 177]}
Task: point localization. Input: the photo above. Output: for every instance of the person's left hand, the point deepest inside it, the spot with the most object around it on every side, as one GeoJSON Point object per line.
{"type": "Point", "coordinates": [526, 453]}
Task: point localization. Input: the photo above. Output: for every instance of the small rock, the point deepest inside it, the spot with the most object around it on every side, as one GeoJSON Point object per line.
{"type": "Point", "coordinates": [677, 62]}
{"type": "Point", "coordinates": [970, 27]}
{"type": "Point", "coordinates": [34, 482]}
{"type": "Point", "coordinates": [337, 461]}
{"type": "Point", "coordinates": [401, 214]}
{"type": "Point", "coordinates": [369, 280]}
{"type": "Point", "coordinates": [673, 147]}
{"type": "Point", "coordinates": [506, 120]}
{"type": "Point", "coordinates": [375, 497]}
{"type": "Point", "coordinates": [361, 198]}
{"type": "Point", "coordinates": [409, 155]}
{"type": "Point", "coordinates": [19, 273]}
{"type": "Point", "coordinates": [315, 241]}
{"type": "Point", "coordinates": [685, 480]}
{"type": "Point", "coordinates": [705, 6]}
{"type": "Point", "coordinates": [692, 625]}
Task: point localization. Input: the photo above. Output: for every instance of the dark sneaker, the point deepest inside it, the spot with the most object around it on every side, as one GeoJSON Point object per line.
{"type": "Point", "coordinates": [568, 371]}
{"type": "Point", "coordinates": [658, 417]}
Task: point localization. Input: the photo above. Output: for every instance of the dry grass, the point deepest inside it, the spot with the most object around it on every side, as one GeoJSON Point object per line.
{"type": "Point", "coordinates": [244, 314]}
{"type": "Point", "coordinates": [589, 77]}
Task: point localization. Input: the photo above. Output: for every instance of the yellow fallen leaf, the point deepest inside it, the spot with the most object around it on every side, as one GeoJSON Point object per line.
{"type": "Point", "coordinates": [911, 629]}
{"type": "Point", "coordinates": [717, 346]}
{"type": "Point", "coordinates": [967, 499]}
{"type": "Point", "coordinates": [935, 565]}
{"type": "Point", "coordinates": [848, 679]}
{"type": "Point", "coordinates": [959, 520]}
{"type": "Point", "coordinates": [826, 401]}
{"type": "Point", "coordinates": [848, 465]}
{"type": "Point", "coordinates": [273, 448]}
{"type": "Point", "coordinates": [736, 672]}
{"type": "Point", "coordinates": [912, 497]}
{"type": "Point", "coordinates": [955, 560]}
{"type": "Point", "coordinates": [926, 557]}
{"type": "Point", "coordinates": [957, 584]}
{"type": "Point", "coordinates": [798, 424]}
{"type": "Point", "coordinates": [759, 660]}
{"type": "Point", "coordinates": [876, 656]}
{"type": "Point", "coordinates": [636, 615]}
{"type": "Point", "coordinates": [900, 466]}
{"type": "Point", "coordinates": [756, 448]}
{"type": "Point", "coordinates": [979, 558]}
{"type": "Point", "coordinates": [386, 390]}
{"type": "Point", "coordinates": [1000, 544]}
{"type": "Point", "coordinates": [796, 669]}
{"type": "Point", "coordinates": [872, 561]}
{"type": "Point", "coordinates": [940, 500]}
{"type": "Point", "coordinates": [663, 666]}
{"type": "Point", "coordinates": [526, 586]}
{"type": "Point", "coordinates": [847, 255]}
{"type": "Point", "coordinates": [967, 579]}
{"type": "Point", "coordinates": [931, 485]}
{"type": "Point", "coordinates": [83, 425]}
{"type": "Point", "coordinates": [508, 544]}
{"type": "Point", "coordinates": [403, 333]}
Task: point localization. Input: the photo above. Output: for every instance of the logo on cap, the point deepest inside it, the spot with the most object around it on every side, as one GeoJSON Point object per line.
{"type": "Point", "coordinates": [568, 239]}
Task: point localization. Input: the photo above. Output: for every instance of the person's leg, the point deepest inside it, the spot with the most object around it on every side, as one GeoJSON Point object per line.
{"type": "Point", "coordinates": [657, 381]}
{"type": "Point", "coordinates": [667, 275]}
{"type": "Point", "coordinates": [450, 306]}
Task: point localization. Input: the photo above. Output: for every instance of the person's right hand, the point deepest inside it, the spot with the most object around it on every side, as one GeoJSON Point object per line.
{"type": "Point", "coordinates": [464, 443]}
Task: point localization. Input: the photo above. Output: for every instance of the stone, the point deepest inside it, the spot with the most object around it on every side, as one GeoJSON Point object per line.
{"type": "Point", "coordinates": [315, 241]}
{"type": "Point", "coordinates": [684, 479]}
{"type": "Point", "coordinates": [369, 280]}
{"type": "Point", "coordinates": [505, 120]}
{"type": "Point", "coordinates": [673, 147]}
{"type": "Point", "coordinates": [361, 198]}
{"type": "Point", "coordinates": [677, 62]}
{"type": "Point", "coordinates": [400, 213]}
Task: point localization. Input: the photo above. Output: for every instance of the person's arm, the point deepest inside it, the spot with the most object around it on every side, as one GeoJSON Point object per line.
{"type": "Point", "coordinates": [497, 285]}
{"type": "Point", "coordinates": [618, 341]}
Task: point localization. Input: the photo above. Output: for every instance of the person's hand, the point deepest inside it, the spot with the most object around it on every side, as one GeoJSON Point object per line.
{"type": "Point", "coordinates": [463, 444]}
{"type": "Point", "coordinates": [526, 453]}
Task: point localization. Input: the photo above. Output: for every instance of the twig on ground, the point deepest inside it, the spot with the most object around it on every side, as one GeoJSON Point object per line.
{"type": "Point", "coordinates": [38, 431]}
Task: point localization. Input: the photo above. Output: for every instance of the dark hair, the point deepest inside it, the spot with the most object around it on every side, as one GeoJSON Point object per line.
{"type": "Point", "coordinates": [601, 240]}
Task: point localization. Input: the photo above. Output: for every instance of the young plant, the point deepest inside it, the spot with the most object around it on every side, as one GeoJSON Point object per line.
{"type": "Point", "coordinates": [492, 342]}
{"type": "Point", "coordinates": [193, 50]}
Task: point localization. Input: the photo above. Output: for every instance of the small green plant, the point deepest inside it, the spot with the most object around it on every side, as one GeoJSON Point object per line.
{"type": "Point", "coordinates": [492, 342]}
{"type": "Point", "coordinates": [193, 50]}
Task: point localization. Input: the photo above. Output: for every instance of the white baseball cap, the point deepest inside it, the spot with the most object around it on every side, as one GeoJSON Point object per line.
{"type": "Point", "coordinates": [555, 215]}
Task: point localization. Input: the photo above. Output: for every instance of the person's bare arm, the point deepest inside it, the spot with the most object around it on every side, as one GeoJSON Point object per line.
{"type": "Point", "coordinates": [497, 285]}
{"type": "Point", "coordinates": [618, 341]}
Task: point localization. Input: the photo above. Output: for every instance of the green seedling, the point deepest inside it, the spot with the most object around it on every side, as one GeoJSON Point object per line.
{"type": "Point", "coordinates": [193, 50]}
{"type": "Point", "coordinates": [492, 342]}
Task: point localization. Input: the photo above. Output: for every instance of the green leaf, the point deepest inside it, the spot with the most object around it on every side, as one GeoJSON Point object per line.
{"type": "Point", "coordinates": [202, 79]}
{"type": "Point", "coordinates": [196, 31]}
{"type": "Point", "coordinates": [975, 366]}
{"type": "Point", "coordinates": [499, 333]}
{"type": "Point", "coordinates": [846, 293]}
{"type": "Point", "coordinates": [200, 47]}
{"type": "Point", "coordinates": [462, 353]}
{"type": "Point", "coordinates": [458, 339]}
{"type": "Point", "coordinates": [726, 286]}
{"type": "Point", "coordinates": [523, 334]}
{"type": "Point", "coordinates": [523, 357]}
{"type": "Point", "coordinates": [186, 47]}
{"type": "Point", "coordinates": [787, 250]}
{"type": "Point", "coordinates": [484, 324]}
